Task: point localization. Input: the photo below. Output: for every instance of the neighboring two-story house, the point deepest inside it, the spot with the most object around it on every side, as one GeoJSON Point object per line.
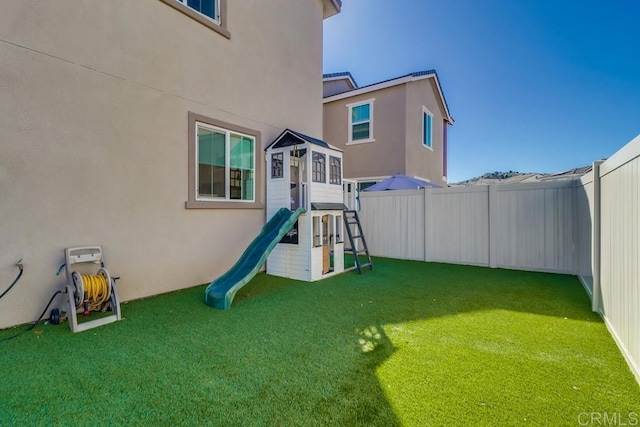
{"type": "Point", "coordinates": [395, 126]}
{"type": "Point", "coordinates": [141, 126]}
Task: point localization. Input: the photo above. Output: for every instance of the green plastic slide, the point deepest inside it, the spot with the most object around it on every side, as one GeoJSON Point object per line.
{"type": "Point", "coordinates": [219, 294]}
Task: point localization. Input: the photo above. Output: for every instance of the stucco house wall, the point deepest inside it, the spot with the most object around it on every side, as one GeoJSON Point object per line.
{"type": "Point", "coordinates": [94, 119]}
{"type": "Point", "coordinates": [421, 161]}
{"type": "Point", "coordinates": [385, 155]}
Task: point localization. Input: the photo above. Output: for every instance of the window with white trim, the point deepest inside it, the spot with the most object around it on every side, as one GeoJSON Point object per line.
{"type": "Point", "coordinates": [427, 128]}
{"type": "Point", "coordinates": [208, 8]}
{"type": "Point", "coordinates": [225, 164]}
{"type": "Point", "coordinates": [360, 121]}
{"type": "Point", "coordinates": [277, 165]}
{"type": "Point", "coordinates": [210, 13]}
{"type": "Point", "coordinates": [319, 167]}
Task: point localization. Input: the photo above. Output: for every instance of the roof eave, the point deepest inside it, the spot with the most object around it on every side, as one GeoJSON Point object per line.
{"type": "Point", "coordinates": [331, 7]}
{"type": "Point", "coordinates": [390, 83]}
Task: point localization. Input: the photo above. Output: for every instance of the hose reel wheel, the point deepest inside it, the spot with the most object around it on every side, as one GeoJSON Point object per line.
{"type": "Point", "coordinates": [78, 288]}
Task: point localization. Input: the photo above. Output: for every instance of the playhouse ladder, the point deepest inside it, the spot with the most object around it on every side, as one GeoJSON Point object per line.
{"type": "Point", "coordinates": [351, 218]}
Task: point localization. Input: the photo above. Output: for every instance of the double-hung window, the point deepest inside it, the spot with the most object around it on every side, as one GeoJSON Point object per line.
{"type": "Point", "coordinates": [361, 122]}
{"type": "Point", "coordinates": [225, 165]}
{"type": "Point", "coordinates": [427, 128]}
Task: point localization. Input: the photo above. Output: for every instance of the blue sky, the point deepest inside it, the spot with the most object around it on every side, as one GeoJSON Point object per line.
{"type": "Point", "coordinates": [534, 86]}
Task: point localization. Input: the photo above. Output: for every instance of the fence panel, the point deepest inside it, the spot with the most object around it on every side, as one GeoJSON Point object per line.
{"type": "Point", "coordinates": [393, 223]}
{"type": "Point", "coordinates": [585, 217]}
{"type": "Point", "coordinates": [458, 225]}
{"type": "Point", "coordinates": [534, 226]}
{"type": "Point", "coordinates": [619, 286]}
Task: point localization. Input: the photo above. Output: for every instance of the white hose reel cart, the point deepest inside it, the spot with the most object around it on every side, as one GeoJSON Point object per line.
{"type": "Point", "coordinates": [89, 292]}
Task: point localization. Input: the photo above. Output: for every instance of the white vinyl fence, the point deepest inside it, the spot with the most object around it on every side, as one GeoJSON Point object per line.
{"type": "Point", "coordinates": [518, 226]}
{"type": "Point", "coordinates": [588, 227]}
{"type": "Point", "coordinates": [616, 280]}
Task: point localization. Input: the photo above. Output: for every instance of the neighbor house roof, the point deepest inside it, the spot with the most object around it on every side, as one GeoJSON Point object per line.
{"type": "Point", "coordinates": [407, 78]}
{"type": "Point", "coordinates": [290, 137]}
{"type": "Point", "coordinates": [568, 174]}
{"type": "Point", "coordinates": [344, 75]}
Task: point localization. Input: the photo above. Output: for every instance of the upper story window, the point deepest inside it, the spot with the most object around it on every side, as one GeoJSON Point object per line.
{"type": "Point", "coordinates": [335, 175]}
{"type": "Point", "coordinates": [277, 165]}
{"type": "Point", "coordinates": [210, 13]}
{"type": "Point", "coordinates": [225, 161]}
{"type": "Point", "coordinates": [319, 167]}
{"type": "Point", "coordinates": [208, 8]}
{"type": "Point", "coordinates": [361, 122]}
{"type": "Point", "coordinates": [427, 128]}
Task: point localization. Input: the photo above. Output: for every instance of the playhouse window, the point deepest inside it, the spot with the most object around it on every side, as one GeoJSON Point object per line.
{"type": "Point", "coordinates": [277, 165]}
{"type": "Point", "coordinates": [361, 122]}
{"type": "Point", "coordinates": [335, 175]}
{"type": "Point", "coordinates": [317, 232]}
{"type": "Point", "coordinates": [339, 238]}
{"type": "Point", "coordinates": [427, 128]}
{"type": "Point", "coordinates": [319, 167]}
{"type": "Point", "coordinates": [226, 164]}
{"type": "Point", "coordinates": [210, 13]}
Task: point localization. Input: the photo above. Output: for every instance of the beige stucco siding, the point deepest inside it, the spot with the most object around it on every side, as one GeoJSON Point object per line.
{"type": "Point", "coordinates": [421, 161]}
{"type": "Point", "coordinates": [382, 157]}
{"type": "Point", "coordinates": [93, 118]}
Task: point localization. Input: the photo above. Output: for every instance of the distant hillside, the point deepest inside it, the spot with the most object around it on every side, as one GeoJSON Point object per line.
{"type": "Point", "coordinates": [491, 176]}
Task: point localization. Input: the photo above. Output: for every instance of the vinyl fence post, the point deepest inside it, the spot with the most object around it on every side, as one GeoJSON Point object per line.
{"type": "Point", "coordinates": [493, 226]}
{"type": "Point", "coordinates": [428, 225]}
{"type": "Point", "coordinates": [595, 239]}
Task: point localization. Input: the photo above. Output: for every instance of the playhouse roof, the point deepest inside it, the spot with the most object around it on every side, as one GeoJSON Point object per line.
{"type": "Point", "coordinates": [290, 137]}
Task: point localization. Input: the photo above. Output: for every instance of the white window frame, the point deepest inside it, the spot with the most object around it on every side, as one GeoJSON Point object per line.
{"type": "Point", "coordinates": [273, 155]}
{"type": "Point", "coordinates": [313, 167]}
{"type": "Point", "coordinates": [426, 112]}
{"type": "Point", "coordinates": [350, 107]}
{"type": "Point", "coordinates": [339, 160]}
{"type": "Point", "coordinates": [216, 20]}
{"type": "Point", "coordinates": [219, 24]}
{"type": "Point", "coordinates": [227, 167]}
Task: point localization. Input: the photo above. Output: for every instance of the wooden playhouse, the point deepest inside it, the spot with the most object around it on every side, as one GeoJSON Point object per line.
{"type": "Point", "coordinates": [306, 172]}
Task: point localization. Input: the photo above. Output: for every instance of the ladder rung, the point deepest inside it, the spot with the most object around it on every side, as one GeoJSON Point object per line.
{"type": "Point", "coordinates": [357, 236]}
{"type": "Point", "coordinates": [352, 222]}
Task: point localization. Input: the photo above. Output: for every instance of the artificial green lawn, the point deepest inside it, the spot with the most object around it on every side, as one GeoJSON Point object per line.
{"type": "Point", "coordinates": [407, 344]}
